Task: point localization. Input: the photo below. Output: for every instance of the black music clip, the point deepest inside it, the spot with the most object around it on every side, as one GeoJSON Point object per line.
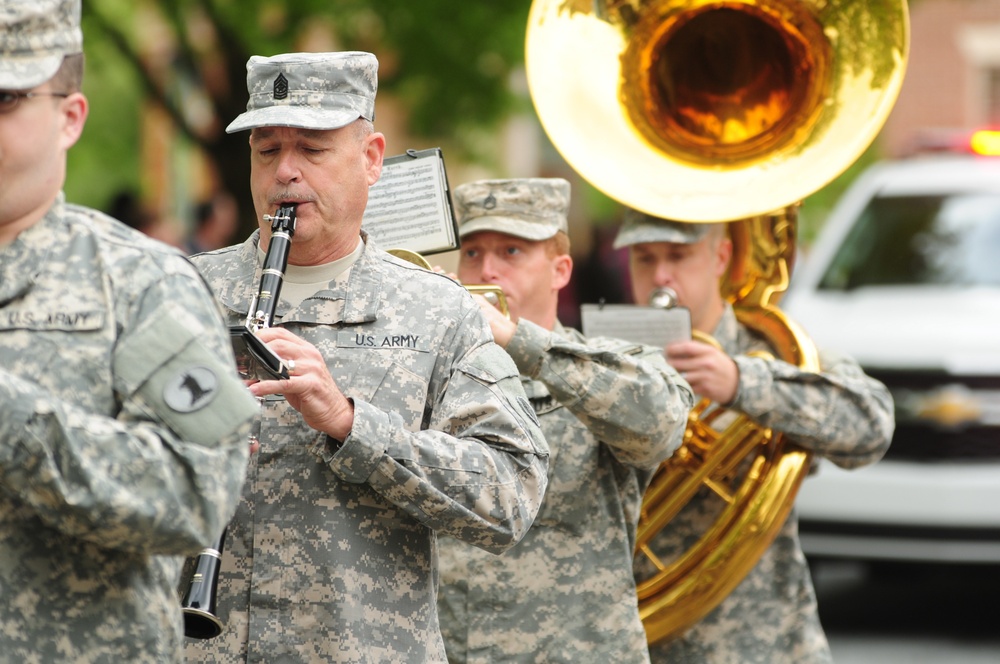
{"type": "Point", "coordinates": [253, 358]}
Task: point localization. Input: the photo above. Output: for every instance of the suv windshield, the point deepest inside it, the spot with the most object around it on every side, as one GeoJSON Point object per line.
{"type": "Point", "coordinates": [903, 240]}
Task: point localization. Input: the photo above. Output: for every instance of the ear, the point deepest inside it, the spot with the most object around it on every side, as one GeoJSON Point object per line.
{"type": "Point", "coordinates": [723, 254]}
{"type": "Point", "coordinates": [374, 154]}
{"type": "Point", "coordinates": [562, 270]}
{"type": "Point", "coordinates": [74, 109]}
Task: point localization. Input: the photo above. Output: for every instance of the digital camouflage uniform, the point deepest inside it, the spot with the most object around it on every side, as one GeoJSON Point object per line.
{"type": "Point", "coordinates": [332, 554]}
{"type": "Point", "coordinates": [611, 411]}
{"type": "Point", "coordinates": [840, 414]}
{"type": "Point", "coordinates": [123, 439]}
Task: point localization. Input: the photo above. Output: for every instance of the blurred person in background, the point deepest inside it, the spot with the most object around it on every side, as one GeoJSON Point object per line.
{"type": "Point", "coordinates": [839, 413]}
{"type": "Point", "coordinates": [400, 419]}
{"type": "Point", "coordinates": [123, 423]}
{"type": "Point", "coordinates": [215, 221]}
{"type": "Point", "coordinates": [611, 412]}
{"type": "Point", "coordinates": [128, 208]}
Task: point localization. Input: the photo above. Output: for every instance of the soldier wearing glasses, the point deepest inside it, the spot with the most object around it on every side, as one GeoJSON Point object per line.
{"type": "Point", "coordinates": [123, 423]}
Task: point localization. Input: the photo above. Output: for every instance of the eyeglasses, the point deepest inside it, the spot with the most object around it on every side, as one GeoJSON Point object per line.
{"type": "Point", "coordinates": [9, 100]}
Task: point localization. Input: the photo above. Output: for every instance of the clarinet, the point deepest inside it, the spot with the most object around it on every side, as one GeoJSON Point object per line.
{"type": "Point", "coordinates": [261, 312]}
{"type": "Point", "coordinates": [254, 360]}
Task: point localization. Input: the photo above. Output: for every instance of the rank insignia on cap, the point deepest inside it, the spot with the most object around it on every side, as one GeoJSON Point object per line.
{"type": "Point", "coordinates": [280, 87]}
{"type": "Point", "coordinates": [191, 389]}
{"type": "Point", "coordinates": [489, 202]}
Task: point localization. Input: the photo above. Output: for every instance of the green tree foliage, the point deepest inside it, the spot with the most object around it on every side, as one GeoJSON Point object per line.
{"type": "Point", "coordinates": [449, 63]}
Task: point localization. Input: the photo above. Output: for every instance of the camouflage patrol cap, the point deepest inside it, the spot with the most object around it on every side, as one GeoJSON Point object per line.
{"type": "Point", "coordinates": [529, 208]}
{"type": "Point", "coordinates": [639, 228]}
{"type": "Point", "coordinates": [309, 90]}
{"type": "Point", "coordinates": [35, 36]}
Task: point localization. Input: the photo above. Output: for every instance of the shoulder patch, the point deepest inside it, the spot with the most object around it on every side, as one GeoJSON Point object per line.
{"type": "Point", "coordinates": [191, 389]}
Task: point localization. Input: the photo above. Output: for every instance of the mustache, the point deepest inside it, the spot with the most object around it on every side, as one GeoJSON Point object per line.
{"type": "Point", "coordinates": [288, 196]}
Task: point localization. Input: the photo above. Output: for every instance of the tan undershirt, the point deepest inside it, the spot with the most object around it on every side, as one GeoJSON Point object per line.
{"type": "Point", "coordinates": [302, 281]}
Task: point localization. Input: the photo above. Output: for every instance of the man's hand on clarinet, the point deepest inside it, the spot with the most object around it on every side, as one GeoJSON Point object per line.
{"type": "Point", "coordinates": [309, 388]}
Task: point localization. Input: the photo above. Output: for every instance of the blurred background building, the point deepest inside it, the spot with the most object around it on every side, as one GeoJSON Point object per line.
{"type": "Point", "coordinates": [953, 78]}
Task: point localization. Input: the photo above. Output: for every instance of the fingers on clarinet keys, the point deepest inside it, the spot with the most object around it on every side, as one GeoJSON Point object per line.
{"type": "Point", "coordinates": [253, 357]}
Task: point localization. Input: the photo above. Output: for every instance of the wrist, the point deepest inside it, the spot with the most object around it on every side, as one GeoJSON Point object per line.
{"type": "Point", "coordinates": [503, 331]}
{"type": "Point", "coordinates": [343, 424]}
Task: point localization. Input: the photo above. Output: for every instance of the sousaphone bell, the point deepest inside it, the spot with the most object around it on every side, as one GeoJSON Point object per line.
{"type": "Point", "coordinates": [718, 111]}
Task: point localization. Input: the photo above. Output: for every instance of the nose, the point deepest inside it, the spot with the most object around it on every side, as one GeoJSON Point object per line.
{"type": "Point", "coordinates": [287, 169]}
{"type": "Point", "coordinates": [488, 268]}
{"type": "Point", "coordinates": [663, 275]}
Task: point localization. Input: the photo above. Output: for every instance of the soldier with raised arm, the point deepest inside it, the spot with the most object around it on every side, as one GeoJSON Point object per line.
{"type": "Point", "coordinates": [611, 412]}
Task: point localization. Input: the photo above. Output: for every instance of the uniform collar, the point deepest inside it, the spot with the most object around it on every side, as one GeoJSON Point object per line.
{"type": "Point", "coordinates": [353, 297]}
{"type": "Point", "coordinates": [25, 258]}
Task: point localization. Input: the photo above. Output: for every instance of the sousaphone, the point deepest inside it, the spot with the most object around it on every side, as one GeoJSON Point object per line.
{"type": "Point", "coordinates": [718, 111]}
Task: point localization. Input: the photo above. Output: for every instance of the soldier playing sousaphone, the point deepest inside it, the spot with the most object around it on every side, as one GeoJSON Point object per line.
{"type": "Point", "coordinates": [836, 412]}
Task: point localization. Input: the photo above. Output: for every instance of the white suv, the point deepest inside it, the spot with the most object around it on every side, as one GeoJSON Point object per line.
{"type": "Point", "coordinates": [905, 278]}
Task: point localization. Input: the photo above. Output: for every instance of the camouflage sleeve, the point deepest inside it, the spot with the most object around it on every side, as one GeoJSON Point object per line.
{"type": "Point", "coordinates": [624, 393]}
{"type": "Point", "coordinates": [839, 413]}
{"type": "Point", "coordinates": [478, 471]}
{"type": "Point", "coordinates": [163, 476]}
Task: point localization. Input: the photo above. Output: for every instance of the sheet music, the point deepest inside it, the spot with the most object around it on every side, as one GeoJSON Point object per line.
{"type": "Point", "coordinates": [654, 326]}
{"type": "Point", "coordinates": [410, 206]}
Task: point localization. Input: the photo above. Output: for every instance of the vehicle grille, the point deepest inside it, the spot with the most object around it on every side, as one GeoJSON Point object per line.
{"type": "Point", "coordinates": [943, 417]}
{"type": "Point", "coordinates": [926, 443]}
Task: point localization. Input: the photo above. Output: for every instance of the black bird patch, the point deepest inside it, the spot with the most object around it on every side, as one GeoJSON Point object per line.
{"type": "Point", "coordinates": [191, 389]}
{"type": "Point", "coordinates": [191, 384]}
